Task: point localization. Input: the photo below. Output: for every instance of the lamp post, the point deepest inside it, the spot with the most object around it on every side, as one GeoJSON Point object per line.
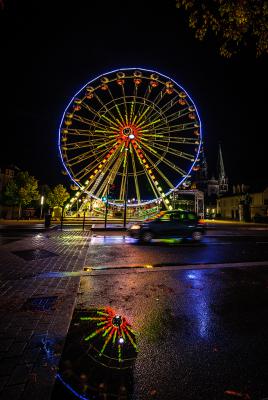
{"type": "Point", "coordinates": [42, 204]}
{"type": "Point", "coordinates": [77, 204]}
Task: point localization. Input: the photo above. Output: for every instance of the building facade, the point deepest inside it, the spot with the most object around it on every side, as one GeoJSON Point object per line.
{"type": "Point", "coordinates": [244, 206]}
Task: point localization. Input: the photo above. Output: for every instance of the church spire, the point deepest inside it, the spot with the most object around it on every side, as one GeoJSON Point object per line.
{"type": "Point", "coordinates": [223, 180]}
{"type": "Point", "coordinates": [221, 165]}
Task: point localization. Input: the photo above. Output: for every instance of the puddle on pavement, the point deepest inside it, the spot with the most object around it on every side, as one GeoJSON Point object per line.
{"type": "Point", "coordinates": [98, 357]}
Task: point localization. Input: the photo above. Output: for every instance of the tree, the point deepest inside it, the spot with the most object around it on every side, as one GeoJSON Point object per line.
{"type": "Point", "coordinates": [236, 23]}
{"type": "Point", "coordinates": [57, 196]}
{"type": "Point", "coordinates": [21, 190]}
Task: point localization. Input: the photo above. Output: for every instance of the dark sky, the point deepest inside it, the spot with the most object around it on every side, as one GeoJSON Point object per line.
{"type": "Point", "coordinates": [47, 54]}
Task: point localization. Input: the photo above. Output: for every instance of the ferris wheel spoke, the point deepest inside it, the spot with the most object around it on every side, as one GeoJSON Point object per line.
{"type": "Point", "coordinates": [125, 104]}
{"type": "Point", "coordinates": [82, 157]}
{"type": "Point", "coordinates": [112, 117]}
{"type": "Point", "coordinates": [142, 126]}
{"type": "Point", "coordinates": [157, 100]}
{"type": "Point", "coordinates": [164, 109]}
{"type": "Point", "coordinates": [166, 119]}
{"type": "Point", "coordinates": [96, 180]}
{"type": "Point", "coordinates": [116, 106]}
{"type": "Point", "coordinates": [135, 174]}
{"type": "Point", "coordinates": [171, 103]}
{"type": "Point", "coordinates": [133, 104]}
{"type": "Point", "coordinates": [76, 145]}
{"type": "Point", "coordinates": [91, 109]}
{"type": "Point", "coordinates": [156, 168]}
{"type": "Point", "coordinates": [77, 132]}
{"type": "Point", "coordinates": [89, 122]}
{"type": "Point", "coordinates": [79, 158]}
{"type": "Point", "coordinates": [175, 116]}
{"type": "Point", "coordinates": [173, 151]}
{"type": "Point", "coordinates": [157, 190]}
{"type": "Point", "coordinates": [149, 178]}
{"type": "Point", "coordinates": [124, 177]}
{"type": "Point", "coordinates": [103, 188]}
{"type": "Point", "coordinates": [173, 139]}
{"type": "Point", "coordinates": [143, 104]}
{"type": "Point", "coordinates": [106, 143]}
{"type": "Point", "coordinates": [169, 139]}
{"type": "Point", "coordinates": [165, 161]}
{"type": "Point", "coordinates": [175, 128]}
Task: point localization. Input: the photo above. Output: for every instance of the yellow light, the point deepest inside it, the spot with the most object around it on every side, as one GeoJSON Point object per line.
{"type": "Point", "coordinates": [87, 269]}
{"type": "Point", "coordinates": [148, 266]}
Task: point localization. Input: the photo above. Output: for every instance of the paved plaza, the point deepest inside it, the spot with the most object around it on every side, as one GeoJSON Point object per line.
{"type": "Point", "coordinates": [39, 285]}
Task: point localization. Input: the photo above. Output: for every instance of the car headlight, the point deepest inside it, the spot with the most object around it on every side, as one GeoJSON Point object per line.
{"type": "Point", "coordinates": [135, 227]}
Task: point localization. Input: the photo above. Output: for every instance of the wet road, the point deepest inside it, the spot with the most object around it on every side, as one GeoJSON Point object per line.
{"type": "Point", "coordinates": [119, 251]}
{"type": "Point", "coordinates": [202, 334]}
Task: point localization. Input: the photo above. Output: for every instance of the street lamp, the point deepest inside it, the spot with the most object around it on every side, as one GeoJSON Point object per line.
{"type": "Point", "coordinates": [77, 204]}
{"type": "Point", "coordinates": [42, 204]}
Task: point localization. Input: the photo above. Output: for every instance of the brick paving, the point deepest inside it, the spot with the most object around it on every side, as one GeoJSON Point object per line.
{"type": "Point", "coordinates": [32, 332]}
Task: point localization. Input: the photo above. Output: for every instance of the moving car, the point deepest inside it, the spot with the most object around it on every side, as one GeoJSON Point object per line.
{"type": "Point", "coordinates": [178, 223]}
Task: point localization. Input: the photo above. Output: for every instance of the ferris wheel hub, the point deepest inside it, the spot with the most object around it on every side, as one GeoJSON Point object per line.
{"type": "Point", "coordinates": [129, 132]}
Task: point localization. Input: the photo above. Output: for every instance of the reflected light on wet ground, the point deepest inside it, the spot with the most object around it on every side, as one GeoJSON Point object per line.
{"type": "Point", "coordinates": [200, 302]}
{"type": "Point", "coordinates": [128, 240]}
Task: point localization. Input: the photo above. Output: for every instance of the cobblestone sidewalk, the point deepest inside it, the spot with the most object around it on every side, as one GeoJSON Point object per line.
{"type": "Point", "coordinates": [39, 280]}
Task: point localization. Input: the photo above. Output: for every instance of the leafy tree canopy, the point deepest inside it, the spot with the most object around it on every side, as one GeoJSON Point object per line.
{"type": "Point", "coordinates": [57, 196]}
{"type": "Point", "coordinates": [21, 190]}
{"type": "Point", "coordinates": [236, 23]}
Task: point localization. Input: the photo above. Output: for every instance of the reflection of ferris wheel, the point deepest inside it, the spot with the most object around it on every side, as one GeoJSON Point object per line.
{"type": "Point", "coordinates": [135, 129]}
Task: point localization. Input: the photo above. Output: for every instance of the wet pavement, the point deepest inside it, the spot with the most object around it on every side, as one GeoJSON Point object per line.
{"type": "Point", "coordinates": [201, 328]}
{"type": "Point", "coordinates": [202, 334]}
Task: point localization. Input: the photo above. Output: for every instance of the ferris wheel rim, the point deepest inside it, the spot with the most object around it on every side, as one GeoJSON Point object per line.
{"type": "Point", "coordinates": [122, 69]}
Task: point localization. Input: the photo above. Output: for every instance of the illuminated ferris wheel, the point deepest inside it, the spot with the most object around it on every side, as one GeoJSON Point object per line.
{"type": "Point", "coordinates": [133, 129]}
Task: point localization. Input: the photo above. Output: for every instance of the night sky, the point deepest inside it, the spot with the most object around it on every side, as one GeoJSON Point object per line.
{"type": "Point", "coordinates": [48, 54]}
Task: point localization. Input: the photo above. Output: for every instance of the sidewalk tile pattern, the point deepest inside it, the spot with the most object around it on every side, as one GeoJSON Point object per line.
{"type": "Point", "coordinates": [36, 309]}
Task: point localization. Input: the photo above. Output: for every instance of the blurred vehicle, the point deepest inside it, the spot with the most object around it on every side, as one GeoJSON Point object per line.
{"type": "Point", "coordinates": [178, 223]}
